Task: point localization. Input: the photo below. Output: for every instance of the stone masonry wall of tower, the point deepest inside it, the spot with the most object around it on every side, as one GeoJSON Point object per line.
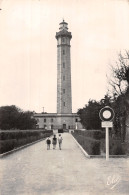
{"type": "Point", "coordinates": [64, 97]}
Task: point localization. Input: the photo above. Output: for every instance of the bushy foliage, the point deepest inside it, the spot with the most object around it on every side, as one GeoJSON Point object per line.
{"type": "Point", "coordinates": [120, 117]}
{"type": "Point", "coordinates": [12, 140]}
{"type": "Point", "coordinates": [117, 98]}
{"type": "Point", "coordinates": [90, 145]}
{"type": "Point", "coordinates": [12, 117]}
{"type": "Point", "coordinates": [95, 134]}
{"type": "Point", "coordinates": [115, 147]}
{"type": "Point", "coordinates": [119, 90]}
{"type": "Point", "coordinates": [89, 115]}
{"type": "Point", "coordinates": [119, 75]}
{"type": "Point", "coordinates": [6, 135]}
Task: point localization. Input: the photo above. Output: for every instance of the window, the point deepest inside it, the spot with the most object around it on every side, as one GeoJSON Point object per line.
{"type": "Point", "coordinates": [63, 52]}
{"type": "Point", "coordinates": [44, 120]}
{"type": "Point", "coordinates": [52, 120]}
{"type": "Point", "coordinates": [76, 120]}
{"type": "Point", "coordinates": [63, 40]}
{"type": "Point", "coordinates": [63, 90]}
{"type": "Point", "coordinates": [63, 78]}
{"type": "Point", "coordinates": [63, 65]}
{"type": "Point", "coordinates": [64, 103]}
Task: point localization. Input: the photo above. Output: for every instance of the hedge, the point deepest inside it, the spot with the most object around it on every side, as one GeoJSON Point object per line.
{"type": "Point", "coordinates": [95, 134]}
{"type": "Point", "coordinates": [115, 147]}
{"type": "Point", "coordinates": [90, 145]}
{"type": "Point", "coordinates": [19, 139]}
{"type": "Point", "coordinates": [6, 135]}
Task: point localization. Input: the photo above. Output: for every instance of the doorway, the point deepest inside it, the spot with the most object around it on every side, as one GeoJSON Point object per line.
{"type": "Point", "coordinates": [64, 126]}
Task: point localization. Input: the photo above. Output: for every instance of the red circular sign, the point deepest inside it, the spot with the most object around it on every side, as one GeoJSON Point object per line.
{"type": "Point", "coordinates": [106, 114]}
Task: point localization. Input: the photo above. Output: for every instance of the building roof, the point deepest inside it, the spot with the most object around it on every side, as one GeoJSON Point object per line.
{"type": "Point", "coordinates": [55, 115]}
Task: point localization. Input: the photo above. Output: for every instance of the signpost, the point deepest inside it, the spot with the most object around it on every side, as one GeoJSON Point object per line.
{"type": "Point", "coordinates": [106, 114]}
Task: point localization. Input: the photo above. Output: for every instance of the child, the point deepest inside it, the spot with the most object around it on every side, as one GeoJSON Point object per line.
{"type": "Point", "coordinates": [60, 141]}
{"type": "Point", "coordinates": [48, 141]}
{"type": "Point", "coordinates": [54, 142]}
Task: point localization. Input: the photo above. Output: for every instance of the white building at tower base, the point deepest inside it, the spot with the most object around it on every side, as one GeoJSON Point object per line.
{"type": "Point", "coordinates": [58, 121]}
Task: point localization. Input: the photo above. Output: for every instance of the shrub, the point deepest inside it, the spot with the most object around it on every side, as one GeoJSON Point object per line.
{"type": "Point", "coordinates": [115, 147]}
{"type": "Point", "coordinates": [125, 146]}
{"type": "Point", "coordinates": [90, 145]}
{"type": "Point", "coordinates": [102, 134]}
{"type": "Point", "coordinates": [11, 140]}
{"type": "Point", "coordinates": [95, 134]}
{"type": "Point", "coordinates": [6, 135]}
{"type": "Point", "coordinates": [7, 145]}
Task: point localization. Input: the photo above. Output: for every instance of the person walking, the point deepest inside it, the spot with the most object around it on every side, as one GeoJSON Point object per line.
{"type": "Point", "coordinates": [54, 142]}
{"type": "Point", "coordinates": [48, 142]}
{"type": "Point", "coordinates": [60, 141]}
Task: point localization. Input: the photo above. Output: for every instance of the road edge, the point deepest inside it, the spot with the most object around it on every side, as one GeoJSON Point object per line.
{"type": "Point", "coordinates": [81, 148]}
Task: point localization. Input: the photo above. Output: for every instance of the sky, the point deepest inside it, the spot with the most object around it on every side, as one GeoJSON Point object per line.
{"type": "Point", "coordinates": [28, 49]}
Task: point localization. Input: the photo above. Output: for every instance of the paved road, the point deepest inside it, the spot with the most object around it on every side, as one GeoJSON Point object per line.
{"type": "Point", "coordinates": [36, 171]}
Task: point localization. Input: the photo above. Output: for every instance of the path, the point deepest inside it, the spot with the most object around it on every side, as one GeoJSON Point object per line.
{"type": "Point", "coordinates": [36, 171]}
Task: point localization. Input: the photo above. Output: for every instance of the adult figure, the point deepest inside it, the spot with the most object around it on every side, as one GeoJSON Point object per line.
{"type": "Point", "coordinates": [60, 141]}
{"type": "Point", "coordinates": [54, 142]}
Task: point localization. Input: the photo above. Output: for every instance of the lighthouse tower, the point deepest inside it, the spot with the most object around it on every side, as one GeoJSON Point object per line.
{"type": "Point", "coordinates": [64, 118]}
{"type": "Point", "coordinates": [64, 98]}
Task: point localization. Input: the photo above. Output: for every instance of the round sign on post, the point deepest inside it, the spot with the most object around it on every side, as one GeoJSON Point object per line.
{"type": "Point", "coordinates": [106, 114]}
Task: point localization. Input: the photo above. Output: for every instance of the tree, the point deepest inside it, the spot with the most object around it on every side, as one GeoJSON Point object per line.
{"type": "Point", "coordinates": [118, 79]}
{"type": "Point", "coordinates": [12, 117]}
{"type": "Point", "coordinates": [127, 92]}
{"type": "Point", "coordinates": [120, 116]}
{"type": "Point", "coordinates": [119, 84]}
{"type": "Point", "coordinates": [26, 120]}
{"type": "Point", "coordinates": [89, 115]}
{"type": "Point", "coordinates": [8, 117]}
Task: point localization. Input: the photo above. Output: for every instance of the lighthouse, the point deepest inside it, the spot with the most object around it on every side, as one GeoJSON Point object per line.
{"type": "Point", "coordinates": [63, 119]}
{"type": "Point", "coordinates": [64, 97]}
